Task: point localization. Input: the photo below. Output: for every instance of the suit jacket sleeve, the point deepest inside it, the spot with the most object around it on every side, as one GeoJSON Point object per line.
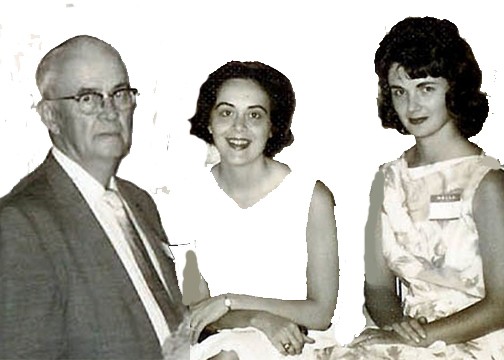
{"type": "Point", "coordinates": [31, 305]}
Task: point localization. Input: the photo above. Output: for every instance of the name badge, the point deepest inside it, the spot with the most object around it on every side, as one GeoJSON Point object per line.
{"type": "Point", "coordinates": [445, 207]}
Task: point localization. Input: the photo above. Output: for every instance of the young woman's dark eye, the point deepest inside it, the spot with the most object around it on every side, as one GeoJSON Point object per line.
{"type": "Point", "coordinates": [255, 115]}
{"type": "Point", "coordinates": [397, 92]}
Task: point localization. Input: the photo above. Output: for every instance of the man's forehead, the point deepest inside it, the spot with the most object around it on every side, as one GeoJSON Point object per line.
{"type": "Point", "coordinates": [89, 67]}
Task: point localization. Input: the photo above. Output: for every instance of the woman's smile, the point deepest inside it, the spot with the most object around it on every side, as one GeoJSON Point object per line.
{"type": "Point", "coordinates": [238, 143]}
{"type": "Point", "coordinates": [240, 121]}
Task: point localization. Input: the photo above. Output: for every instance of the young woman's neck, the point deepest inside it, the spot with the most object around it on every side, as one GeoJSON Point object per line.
{"type": "Point", "coordinates": [444, 145]}
{"type": "Point", "coordinates": [242, 176]}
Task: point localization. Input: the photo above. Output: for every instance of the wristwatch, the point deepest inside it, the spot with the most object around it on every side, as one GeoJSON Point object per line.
{"type": "Point", "coordinates": [227, 302]}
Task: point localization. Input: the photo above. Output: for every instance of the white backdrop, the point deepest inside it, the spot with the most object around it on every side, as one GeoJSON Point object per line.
{"type": "Point", "coordinates": [326, 48]}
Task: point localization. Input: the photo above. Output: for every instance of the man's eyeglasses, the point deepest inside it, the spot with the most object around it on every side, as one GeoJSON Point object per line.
{"type": "Point", "coordinates": [91, 102]}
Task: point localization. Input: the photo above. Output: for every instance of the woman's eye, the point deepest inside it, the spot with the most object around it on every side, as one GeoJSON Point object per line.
{"type": "Point", "coordinates": [428, 89]}
{"type": "Point", "coordinates": [397, 92]}
{"type": "Point", "coordinates": [255, 115]}
{"type": "Point", "coordinates": [225, 113]}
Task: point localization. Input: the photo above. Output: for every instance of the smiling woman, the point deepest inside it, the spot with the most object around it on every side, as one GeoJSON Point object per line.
{"type": "Point", "coordinates": [240, 121]}
{"type": "Point", "coordinates": [245, 110]}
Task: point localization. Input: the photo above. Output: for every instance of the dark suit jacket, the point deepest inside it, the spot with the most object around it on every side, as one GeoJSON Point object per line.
{"type": "Point", "coordinates": [64, 292]}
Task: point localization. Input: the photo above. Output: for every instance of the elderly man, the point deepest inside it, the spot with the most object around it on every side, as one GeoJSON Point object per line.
{"type": "Point", "coordinates": [85, 270]}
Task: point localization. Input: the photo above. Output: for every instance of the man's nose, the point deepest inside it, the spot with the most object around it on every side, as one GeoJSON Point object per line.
{"type": "Point", "coordinates": [108, 110]}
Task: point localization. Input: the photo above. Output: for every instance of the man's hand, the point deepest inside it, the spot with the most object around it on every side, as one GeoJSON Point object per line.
{"type": "Point", "coordinates": [176, 347]}
{"type": "Point", "coordinates": [205, 313]}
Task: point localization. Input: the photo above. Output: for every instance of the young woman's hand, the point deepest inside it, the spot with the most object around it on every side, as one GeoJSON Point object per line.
{"type": "Point", "coordinates": [285, 335]}
{"type": "Point", "coordinates": [205, 313]}
{"type": "Point", "coordinates": [410, 329]}
{"type": "Point", "coordinates": [377, 336]}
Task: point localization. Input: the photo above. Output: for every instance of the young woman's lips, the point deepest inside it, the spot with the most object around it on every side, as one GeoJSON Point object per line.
{"type": "Point", "coordinates": [238, 143]}
{"type": "Point", "coordinates": [418, 120]}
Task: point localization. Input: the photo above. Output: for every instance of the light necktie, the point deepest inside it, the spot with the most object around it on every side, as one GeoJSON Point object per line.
{"type": "Point", "coordinates": [151, 276]}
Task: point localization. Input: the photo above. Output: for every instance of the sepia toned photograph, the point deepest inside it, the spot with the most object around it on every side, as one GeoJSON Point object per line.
{"type": "Point", "coordinates": [251, 180]}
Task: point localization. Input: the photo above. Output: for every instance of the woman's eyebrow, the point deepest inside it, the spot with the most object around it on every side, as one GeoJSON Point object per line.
{"type": "Point", "coordinates": [258, 107]}
{"type": "Point", "coordinates": [223, 103]}
{"type": "Point", "coordinates": [427, 82]}
{"type": "Point", "coordinates": [396, 87]}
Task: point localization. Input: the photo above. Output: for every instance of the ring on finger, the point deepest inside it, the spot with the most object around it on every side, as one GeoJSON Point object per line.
{"type": "Point", "coordinates": [287, 346]}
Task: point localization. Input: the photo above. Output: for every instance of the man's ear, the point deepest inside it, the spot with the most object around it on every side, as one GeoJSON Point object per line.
{"type": "Point", "coordinates": [48, 116]}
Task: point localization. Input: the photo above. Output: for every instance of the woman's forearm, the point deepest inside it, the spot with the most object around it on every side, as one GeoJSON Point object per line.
{"type": "Point", "coordinates": [235, 319]}
{"type": "Point", "coordinates": [475, 321]}
{"type": "Point", "coordinates": [468, 324]}
{"type": "Point", "coordinates": [310, 313]}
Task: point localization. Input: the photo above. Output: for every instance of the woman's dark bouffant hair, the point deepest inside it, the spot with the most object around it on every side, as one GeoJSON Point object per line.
{"type": "Point", "coordinates": [273, 82]}
{"type": "Point", "coordinates": [432, 47]}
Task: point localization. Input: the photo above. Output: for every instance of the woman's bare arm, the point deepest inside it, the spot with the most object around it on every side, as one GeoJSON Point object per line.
{"type": "Point", "coordinates": [381, 299]}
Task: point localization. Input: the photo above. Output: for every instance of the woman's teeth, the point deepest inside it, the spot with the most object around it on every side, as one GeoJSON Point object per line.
{"type": "Point", "coordinates": [238, 144]}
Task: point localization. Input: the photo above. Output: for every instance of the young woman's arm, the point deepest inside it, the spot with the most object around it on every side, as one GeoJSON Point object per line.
{"type": "Point", "coordinates": [381, 299]}
{"type": "Point", "coordinates": [486, 315]}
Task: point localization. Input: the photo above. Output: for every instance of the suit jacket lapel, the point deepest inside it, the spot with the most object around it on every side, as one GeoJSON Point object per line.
{"type": "Point", "coordinates": [84, 227]}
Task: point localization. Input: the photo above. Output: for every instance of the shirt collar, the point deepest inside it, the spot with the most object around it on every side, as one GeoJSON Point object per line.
{"type": "Point", "coordinates": [91, 189]}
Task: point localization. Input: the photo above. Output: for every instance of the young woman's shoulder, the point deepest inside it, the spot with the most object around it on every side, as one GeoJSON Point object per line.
{"type": "Point", "coordinates": [492, 184]}
{"type": "Point", "coordinates": [279, 168]}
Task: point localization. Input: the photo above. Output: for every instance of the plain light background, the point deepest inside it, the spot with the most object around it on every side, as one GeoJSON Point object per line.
{"type": "Point", "coordinates": [326, 49]}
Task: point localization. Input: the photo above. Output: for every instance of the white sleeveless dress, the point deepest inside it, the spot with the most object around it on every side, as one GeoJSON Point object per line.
{"type": "Point", "coordinates": [259, 251]}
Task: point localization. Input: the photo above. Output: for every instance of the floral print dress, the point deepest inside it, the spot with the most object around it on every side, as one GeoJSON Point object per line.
{"type": "Point", "coordinates": [430, 242]}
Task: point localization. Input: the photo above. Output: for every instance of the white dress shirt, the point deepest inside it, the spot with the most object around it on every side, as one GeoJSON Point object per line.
{"type": "Point", "coordinates": [93, 192]}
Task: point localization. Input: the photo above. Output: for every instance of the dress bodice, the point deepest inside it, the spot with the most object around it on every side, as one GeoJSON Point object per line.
{"type": "Point", "coordinates": [429, 235]}
{"type": "Point", "coordinates": [259, 251]}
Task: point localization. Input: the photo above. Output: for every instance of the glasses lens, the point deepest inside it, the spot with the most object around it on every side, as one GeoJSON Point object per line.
{"type": "Point", "coordinates": [123, 99]}
{"type": "Point", "coordinates": [89, 103]}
